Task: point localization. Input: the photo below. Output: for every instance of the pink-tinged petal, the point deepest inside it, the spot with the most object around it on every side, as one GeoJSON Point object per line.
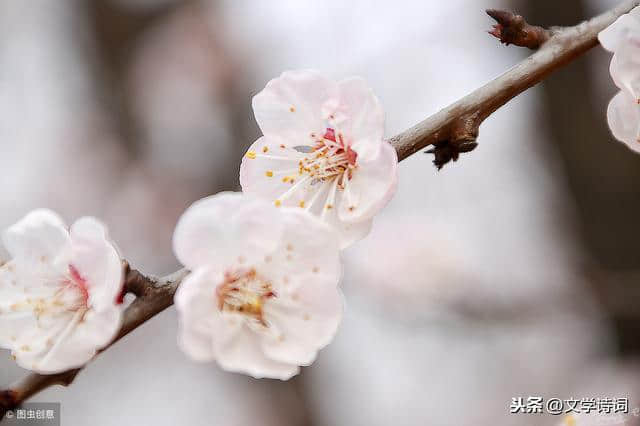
{"type": "Point", "coordinates": [199, 318]}
{"type": "Point", "coordinates": [304, 326]}
{"type": "Point", "coordinates": [616, 34]}
{"type": "Point", "coordinates": [32, 341]}
{"type": "Point", "coordinates": [67, 340]}
{"type": "Point", "coordinates": [268, 168]}
{"type": "Point", "coordinates": [40, 236]}
{"type": "Point", "coordinates": [307, 255]}
{"type": "Point", "coordinates": [305, 271]}
{"type": "Point", "coordinates": [96, 262]}
{"type": "Point", "coordinates": [362, 116]}
{"type": "Point", "coordinates": [196, 294]}
{"type": "Point", "coordinates": [18, 296]}
{"type": "Point", "coordinates": [371, 187]}
{"type": "Point", "coordinates": [349, 233]}
{"type": "Point", "coordinates": [623, 115]}
{"type": "Point", "coordinates": [625, 66]}
{"type": "Point", "coordinates": [243, 353]}
{"type": "Point", "coordinates": [73, 342]}
{"type": "Point", "coordinates": [224, 229]}
{"type": "Point", "coordinates": [326, 205]}
{"type": "Point", "coordinates": [15, 325]}
{"type": "Point", "coordinates": [290, 106]}
{"type": "Point", "coordinates": [17, 281]}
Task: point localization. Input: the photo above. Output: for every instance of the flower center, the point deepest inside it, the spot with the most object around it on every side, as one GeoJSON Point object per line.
{"type": "Point", "coordinates": [245, 293]}
{"type": "Point", "coordinates": [79, 284]}
{"type": "Point", "coordinates": [72, 295]}
{"type": "Point", "coordinates": [330, 158]}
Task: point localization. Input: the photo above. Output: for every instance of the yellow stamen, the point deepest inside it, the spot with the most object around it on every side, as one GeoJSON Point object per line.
{"type": "Point", "coordinates": [251, 155]}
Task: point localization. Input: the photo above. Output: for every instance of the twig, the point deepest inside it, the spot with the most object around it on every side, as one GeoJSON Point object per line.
{"type": "Point", "coordinates": [513, 29]}
{"type": "Point", "coordinates": [452, 130]}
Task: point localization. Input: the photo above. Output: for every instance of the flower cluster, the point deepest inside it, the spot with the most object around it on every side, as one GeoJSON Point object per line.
{"type": "Point", "coordinates": [262, 295]}
{"type": "Point", "coordinates": [60, 294]}
{"type": "Point", "coordinates": [623, 39]}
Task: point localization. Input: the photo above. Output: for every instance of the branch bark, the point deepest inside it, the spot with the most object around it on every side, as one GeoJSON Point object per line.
{"type": "Point", "coordinates": [451, 131]}
{"type": "Point", "coordinates": [454, 129]}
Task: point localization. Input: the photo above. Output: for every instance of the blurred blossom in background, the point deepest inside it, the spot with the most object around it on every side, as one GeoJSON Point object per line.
{"type": "Point", "coordinates": [513, 272]}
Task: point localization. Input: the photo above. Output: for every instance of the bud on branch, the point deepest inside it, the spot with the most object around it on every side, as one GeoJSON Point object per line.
{"type": "Point", "coordinates": [513, 29]}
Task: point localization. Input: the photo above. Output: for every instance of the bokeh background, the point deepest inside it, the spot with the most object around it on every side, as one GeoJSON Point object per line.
{"type": "Point", "coordinates": [513, 272]}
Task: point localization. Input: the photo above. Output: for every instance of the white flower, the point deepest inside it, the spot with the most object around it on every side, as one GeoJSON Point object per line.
{"type": "Point", "coordinates": [59, 292]}
{"type": "Point", "coordinates": [262, 295]}
{"type": "Point", "coordinates": [623, 114]}
{"type": "Point", "coordinates": [322, 150]}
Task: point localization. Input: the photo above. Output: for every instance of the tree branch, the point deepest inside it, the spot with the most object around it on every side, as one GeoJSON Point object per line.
{"type": "Point", "coordinates": [452, 130]}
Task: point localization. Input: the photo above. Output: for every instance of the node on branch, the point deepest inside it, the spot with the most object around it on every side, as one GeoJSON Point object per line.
{"type": "Point", "coordinates": [445, 151]}
{"type": "Point", "coordinates": [513, 29]}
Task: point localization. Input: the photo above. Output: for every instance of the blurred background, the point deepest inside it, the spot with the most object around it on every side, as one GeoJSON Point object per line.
{"type": "Point", "coordinates": [513, 272]}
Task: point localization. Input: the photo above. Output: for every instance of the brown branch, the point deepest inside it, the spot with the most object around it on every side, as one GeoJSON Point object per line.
{"type": "Point", "coordinates": [452, 130]}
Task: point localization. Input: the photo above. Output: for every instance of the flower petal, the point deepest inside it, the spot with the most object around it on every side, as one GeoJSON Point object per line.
{"type": "Point", "coordinates": [97, 262]}
{"type": "Point", "coordinates": [363, 125]}
{"type": "Point", "coordinates": [349, 233]}
{"type": "Point", "coordinates": [199, 316]}
{"type": "Point", "coordinates": [308, 253]}
{"type": "Point", "coordinates": [40, 236]}
{"type": "Point", "coordinates": [67, 340]}
{"type": "Point", "coordinates": [262, 172]}
{"type": "Point", "coordinates": [305, 326]}
{"type": "Point", "coordinates": [224, 229]}
{"type": "Point", "coordinates": [372, 186]}
{"type": "Point", "coordinates": [623, 115]}
{"type": "Point", "coordinates": [243, 353]}
{"type": "Point", "coordinates": [17, 295]}
{"type": "Point", "coordinates": [624, 68]}
{"type": "Point", "coordinates": [612, 37]}
{"type": "Point", "coordinates": [206, 334]}
{"type": "Point", "coordinates": [307, 309]}
{"type": "Point", "coordinates": [290, 106]}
